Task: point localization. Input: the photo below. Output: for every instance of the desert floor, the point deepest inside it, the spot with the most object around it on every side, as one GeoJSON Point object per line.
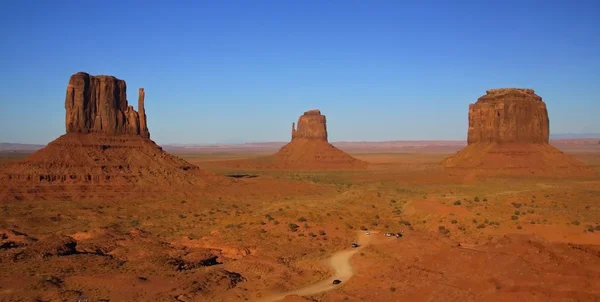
{"type": "Point", "coordinates": [465, 238]}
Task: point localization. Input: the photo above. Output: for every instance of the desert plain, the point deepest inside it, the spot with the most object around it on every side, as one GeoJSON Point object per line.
{"type": "Point", "coordinates": [104, 214]}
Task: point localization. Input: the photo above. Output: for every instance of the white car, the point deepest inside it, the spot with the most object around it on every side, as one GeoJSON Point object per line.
{"type": "Point", "coordinates": [367, 233]}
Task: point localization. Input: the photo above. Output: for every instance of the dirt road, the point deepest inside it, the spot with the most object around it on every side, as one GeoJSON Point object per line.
{"type": "Point", "coordinates": [339, 263]}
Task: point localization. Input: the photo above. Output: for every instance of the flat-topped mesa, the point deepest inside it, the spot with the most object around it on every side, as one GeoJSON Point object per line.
{"type": "Point", "coordinates": [98, 104]}
{"type": "Point", "coordinates": [312, 125]}
{"type": "Point", "coordinates": [508, 115]}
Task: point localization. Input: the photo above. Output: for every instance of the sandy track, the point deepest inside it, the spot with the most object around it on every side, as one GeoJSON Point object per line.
{"type": "Point", "coordinates": [341, 266]}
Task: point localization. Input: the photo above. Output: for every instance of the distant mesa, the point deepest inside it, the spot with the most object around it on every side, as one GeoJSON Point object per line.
{"type": "Point", "coordinates": [509, 133]}
{"type": "Point", "coordinates": [310, 149]}
{"type": "Point", "coordinates": [106, 151]}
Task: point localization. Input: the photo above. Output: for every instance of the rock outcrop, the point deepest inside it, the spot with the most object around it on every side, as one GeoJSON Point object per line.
{"type": "Point", "coordinates": [98, 104]}
{"type": "Point", "coordinates": [310, 149]}
{"type": "Point", "coordinates": [509, 133]}
{"type": "Point", "coordinates": [509, 116]}
{"type": "Point", "coordinates": [312, 125]}
{"type": "Point", "coordinates": [106, 151]}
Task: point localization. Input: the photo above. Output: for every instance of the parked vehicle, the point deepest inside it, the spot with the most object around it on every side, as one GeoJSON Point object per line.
{"type": "Point", "coordinates": [355, 245]}
{"type": "Point", "coordinates": [336, 281]}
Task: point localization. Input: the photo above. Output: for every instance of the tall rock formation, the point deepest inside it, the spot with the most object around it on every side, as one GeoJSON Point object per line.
{"type": "Point", "coordinates": [98, 104]}
{"type": "Point", "coordinates": [309, 147]}
{"type": "Point", "coordinates": [312, 125]}
{"type": "Point", "coordinates": [142, 113]}
{"type": "Point", "coordinates": [509, 133]}
{"type": "Point", "coordinates": [509, 115]}
{"type": "Point", "coordinates": [106, 152]}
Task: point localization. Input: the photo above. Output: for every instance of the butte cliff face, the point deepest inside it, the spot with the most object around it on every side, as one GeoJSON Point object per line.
{"type": "Point", "coordinates": [508, 115]}
{"type": "Point", "coordinates": [98, 104]}
{"type": "Point", "coordinates": [312, 125]}
{"type": "Point", "coordinates": [310, 149]}
{"type": "Point", "coordinates": [106, 151]}
{"type": "Point", "coordinates": [509, 133]}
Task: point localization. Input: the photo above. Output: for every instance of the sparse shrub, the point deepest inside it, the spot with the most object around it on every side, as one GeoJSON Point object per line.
{"type": "Point", "coordinates": [306, 225]}
{"type": "Point", "coordinates": [373, 206]}
{"type": "Point", "coordinates": [532, 222]}
{"type": "Point", "coordinates": [407, 223]}
{"type": "Point", "coordinates": [485, 199]}
{"type": "Point", "coordinates": [374, 223]}
{"type": "Point", "coordinates": [514, 217]}
{"type": "Point", "coordinates": [598, 227]}
{"type": "Point", "coordinates": [454, 221]}
{"type": "Point", "coordinates": [393, 201]}
{"type": "Point", "coordinates": [322, 233]}
{"type": "Point", "coordinates": [376, 216]}
{"type": "Point", "coordinates": [263, 231]}
{"type": "Point", "coordinates": [443, 230]}
{"type": "Point", "coordinates": [280, 209]}
{"type": "Point", "coordinates": [516, 205]}
{"type": "Point", "coordinates": [293, 227]}
{"type": "Point", "coordinates": [182, 216]}
{"type": "Point", "coordinates": [457, 203]}
{"type": "Point", "coordinates": [183, 201]}
{"type": "Point", "coordinates": [474, 221]}
{"type": "Point", "coordinates": [363, 228]}
{"type": "Point", "coordinates": [392, 289]}
{"type": "Point", "coordinates": [530, 211]}
{"type": "Point", "coordinates": [591, 229]}
{"type": "Point", "coordinates": [311, 234]}
{"type": "Point", "coordinates": [269, 217]}
{"type": "Point", "coordinates": [517, 213]}
{"type": "Point", "coordinates": [486, 221]}
{"type": "Point", "coordinates": [462, 227]}
{"type": "Point", "coordinates": [275, 222]}
{"type": "Point", "coordinates": [301, 219]}
{"type": "Point", "coordinates": [576, 222]}
{"type": "Point", "coordinates": [481, 226]}
{"type": "Point", "coordinates": [262, 222]}
{"type": "Point", "coordinates": [476, 199]}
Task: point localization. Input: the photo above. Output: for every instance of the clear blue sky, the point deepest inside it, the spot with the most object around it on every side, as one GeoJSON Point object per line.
{"type": "Point", "coordinates": [231, 71]}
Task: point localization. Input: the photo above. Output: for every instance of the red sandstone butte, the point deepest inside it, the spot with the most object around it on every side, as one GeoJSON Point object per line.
{"type": "Point", "coordinates": [98, 104]}
{"type": "Point", "coordinates": [106, 151]}
{"type": "Point", "coordinates": [509, 133]}
{"type": "Point", "coordinates": [310, 149]}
